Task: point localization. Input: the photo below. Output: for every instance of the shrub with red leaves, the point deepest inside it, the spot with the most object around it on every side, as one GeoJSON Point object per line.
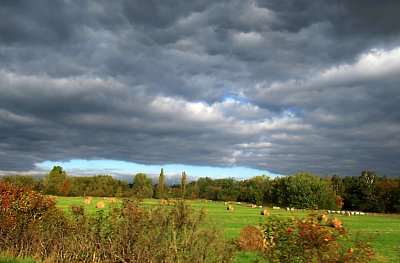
{"type": "Point", "coordinates": [20, 206]}
{"type": "Point", "coordinates": [307, 240]}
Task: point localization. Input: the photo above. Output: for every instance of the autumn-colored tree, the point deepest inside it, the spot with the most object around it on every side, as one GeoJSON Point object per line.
{"type": "Point", "coordinates": [65, 187]}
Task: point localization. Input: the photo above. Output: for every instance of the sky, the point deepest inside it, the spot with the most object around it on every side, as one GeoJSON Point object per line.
{"type": "Point", "coordinates": [216, 88]}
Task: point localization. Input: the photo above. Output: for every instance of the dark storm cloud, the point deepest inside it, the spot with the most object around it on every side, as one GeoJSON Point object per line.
{"type": "Point", "coordinates": [278, 85]}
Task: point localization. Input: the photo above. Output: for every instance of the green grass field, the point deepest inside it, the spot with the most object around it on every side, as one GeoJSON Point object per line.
{"type": "Point", "coordinates": [387, 245]}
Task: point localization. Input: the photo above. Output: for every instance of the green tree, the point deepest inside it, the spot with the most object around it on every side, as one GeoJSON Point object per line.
{"type": "Point", "coordinates": [142, 186]}
{"type": "Point", "coordinates": [370, 200]}
{"type": "Point", "coordinates": [54, 180]}
{"type": "Point", "coordinates": [304, 191]}
{"type": "Point", "coordinates": [24, 180]}
{"type": "Point", "coordinates": [203, 184]}
{"type": "Point", "coordinates": [161, 185]}
{"type": "Point", "coordinates": [183, 184]}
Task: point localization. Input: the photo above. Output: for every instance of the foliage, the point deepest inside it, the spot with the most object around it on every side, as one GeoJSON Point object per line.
{"type": "Point", "coordinates": [22, 212]}
{"type": "Point", "coordinates": [100, 185]}
{"type": "Point", "coordinates": [24, 180]}
{"type": "Point", "coordinates": [310, 240]}
{"type": "Point", "coordinates": [54, 180]}
{"type": "Point", "coordinates": [21, 205]}
{"type": "Point", "coordinates": [256, 190]}
{"type": "Point", "coordinates": [367, 192]}
{"type": "Point", "coordinates": [127, 234]}
{"type": "Point", "coordinates": [142, 186]}
{"type": "Point", "coordinates": [161, 189]}
{"type": "Point", "coordinates": [303, 191]}
{"type": "Point", "coordinates": [183, 184]}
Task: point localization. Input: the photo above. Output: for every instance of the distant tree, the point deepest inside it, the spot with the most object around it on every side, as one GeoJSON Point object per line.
{"type": "Point", "coordinates": [54, 180]}
{"type": "Point", "coordinates": [352, 196]}
{"type": "Point", "coordinates": [183, 184]}
{"type": "Point", "coordinates": [203, 184]}
{"type": "Point", "coordinates": [388, 191]}
{"type": "Point", "coordinates": [304, 191]}
{"type": "Point", "coordinates": [256, 190]}
{"type": "Point", "coordinates": [142, 186]}
{"type": "Point", "coordinates": [160, 189]}
{"type": "Point", "coordinates": [337, 186]}
{"type": "Point", "coordinates": [24, 180]}
{"type": "Point", "coordinates": [370, 200]}
{"type": "Point", "coordinates": [65, 187]}
{"type": "Point", "coordinates": [192, 191]}
{"type": "Point", "coordinates": [226, 189]}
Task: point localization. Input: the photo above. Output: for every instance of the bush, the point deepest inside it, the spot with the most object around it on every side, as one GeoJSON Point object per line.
{"type": "Point", "coordinates": [310, 240]}
{"type": "Point", "coordinates": [22, 210]}
{"type": "Point", "coordinates": [31, 225]}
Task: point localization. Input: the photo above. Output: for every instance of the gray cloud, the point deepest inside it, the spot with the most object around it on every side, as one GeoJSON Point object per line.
{"type": "Point", "coordinates": [283, 86]}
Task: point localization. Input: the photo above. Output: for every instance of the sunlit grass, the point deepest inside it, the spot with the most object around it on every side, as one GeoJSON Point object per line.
{"type": "Point", "coordinates": [384, 230]}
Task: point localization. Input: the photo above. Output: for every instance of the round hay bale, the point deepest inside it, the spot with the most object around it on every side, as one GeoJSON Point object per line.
{"type": "Point", "coordinates": [86, 201]}
{"type": "Point", "coordinates": [265, 212]}
{"type": "Point", "coordinates": [336, 222]}
{"type": "Point", "coordinates": [100, 205]}
{"type": "Point", "coordinates": [90, 197]}
{"type": "Point", "coordinates": [346, 213]}
{"type": "Point", "coordinates": [230, 208]}
{"type": "Point", "coordinates": [251, 239]}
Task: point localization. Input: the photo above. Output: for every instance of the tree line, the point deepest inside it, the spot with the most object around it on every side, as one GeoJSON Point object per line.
{"type": "Point", "coordinates": [367, 192]}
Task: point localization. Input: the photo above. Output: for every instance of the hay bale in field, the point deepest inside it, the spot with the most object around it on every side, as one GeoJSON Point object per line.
{"type": "Point", "coordinates": [335, 222]}
{"type": "Point", "coordinates": [86, 201]}
{"type": "Point", "coordinates": [265, 212]}
{"type": "Point", "coordinates": [253, 206]}
{"type": "Point", "coordinates": [90, 197]}
{"type": "Point", "coordinates": [100, 205]}
{"type": "Point", "coordinates": [346, 213]}
{"type": "Point", "coordinates": [230, 208]}
{"type": "Point", "coordinates": [251, 239]}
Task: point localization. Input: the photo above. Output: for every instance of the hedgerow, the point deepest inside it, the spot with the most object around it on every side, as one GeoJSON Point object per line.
{"type": "Point", "coordinates": [32, 226]}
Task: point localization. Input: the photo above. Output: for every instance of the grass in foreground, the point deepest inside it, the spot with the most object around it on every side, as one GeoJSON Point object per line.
{"type": "Point", "coordinates": [384, 230]}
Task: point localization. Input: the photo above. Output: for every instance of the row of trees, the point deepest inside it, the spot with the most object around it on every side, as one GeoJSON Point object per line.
{"type": "Point", "coordinates": [367, 192]}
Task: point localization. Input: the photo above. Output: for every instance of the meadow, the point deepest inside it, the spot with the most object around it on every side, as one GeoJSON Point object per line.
{"type": "Point", "coordinates": [385, 229]}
